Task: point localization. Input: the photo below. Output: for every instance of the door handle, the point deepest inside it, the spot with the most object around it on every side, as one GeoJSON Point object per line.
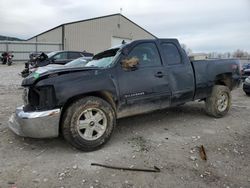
{"type": "Point", "coordinates": [159, 74]}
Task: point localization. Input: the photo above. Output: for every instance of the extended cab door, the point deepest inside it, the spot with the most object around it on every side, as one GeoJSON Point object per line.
{"type": "Point", "coordinates": [146, 87]}
{"type": "Point", "coordinates": [180, 72]}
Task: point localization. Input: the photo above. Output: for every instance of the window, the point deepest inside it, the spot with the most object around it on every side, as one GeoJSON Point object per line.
{"type": "Point", "coordinates": [74, 55]}
{"type": "Point", "coordinates": [147, 54]}
{"type": "Point", "coordinates": [171, 54]}
{"type": "Point", "coordinates": [62, 55]}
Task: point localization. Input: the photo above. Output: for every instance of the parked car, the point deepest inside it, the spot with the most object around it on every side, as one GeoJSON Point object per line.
{"type": "Point", "coordinates": [57, 57]}
{"type": "Point", "coordinates": [245, 73]}
{"type": "Point", "coordinates": [246, 66]}
{"type": "Point", "coordinates": [246, 86]}
{"type": "Point", "coordinates": [63, 57]}
{"type": "Point", "coordinates": [145, 75]}
{"type": "Point", "coordinates": [80, 62]}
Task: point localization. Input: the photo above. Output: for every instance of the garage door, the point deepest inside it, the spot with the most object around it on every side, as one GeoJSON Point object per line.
{"type": "Point", "coordinates": [117, 41]}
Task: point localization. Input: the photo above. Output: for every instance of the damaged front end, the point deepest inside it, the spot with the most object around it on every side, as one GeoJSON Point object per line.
{"type": "Point", "coordinates": [38, 117]}
{"type": "Point", "coordinates": [39, 98]}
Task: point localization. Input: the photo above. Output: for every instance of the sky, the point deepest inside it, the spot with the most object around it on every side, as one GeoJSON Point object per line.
{"type": "Point", "coordinates": [203, 25]}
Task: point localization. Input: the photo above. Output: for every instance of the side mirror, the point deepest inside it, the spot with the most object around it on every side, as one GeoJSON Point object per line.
{"type": "Point", "coordinates": [53, 59]}
{"type": "Point", "coordinates": [130, 64]}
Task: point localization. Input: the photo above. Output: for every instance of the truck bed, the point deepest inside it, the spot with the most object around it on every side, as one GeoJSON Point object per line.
{"type": "Point", "coordinates": [205, 71]}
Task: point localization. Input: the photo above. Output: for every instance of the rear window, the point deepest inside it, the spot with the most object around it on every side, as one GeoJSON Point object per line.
{"type": "Point", "coordinates": [171, 54]}
{"type": "Point", "coordinates": [74, 55]}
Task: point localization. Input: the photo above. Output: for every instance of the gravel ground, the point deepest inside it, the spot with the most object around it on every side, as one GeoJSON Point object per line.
{"type": "Point", "coordinates": [168, 139]}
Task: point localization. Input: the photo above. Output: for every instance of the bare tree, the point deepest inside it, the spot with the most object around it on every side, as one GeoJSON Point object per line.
{"type": "Point", "coordinates": [238, 54]}
{"type": "Point", "coordinates": [187, 50]}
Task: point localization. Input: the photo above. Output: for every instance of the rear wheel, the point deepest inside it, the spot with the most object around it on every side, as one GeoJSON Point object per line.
{"type": "Point", "coordinates": [88, 123]}
{"type": "Point", "coordinates": [218, 104]}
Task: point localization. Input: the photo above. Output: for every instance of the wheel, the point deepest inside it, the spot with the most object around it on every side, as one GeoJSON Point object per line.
{"type": "Point", "coordinates": [247, 93]}
{"type": "Point", "coordinates": [218, 104]}
{"type": "Point", "coordinates": [88, 123]}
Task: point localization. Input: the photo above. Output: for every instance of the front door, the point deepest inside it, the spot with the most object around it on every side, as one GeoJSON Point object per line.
{"type": "Point", "coordinates": [146, 87]}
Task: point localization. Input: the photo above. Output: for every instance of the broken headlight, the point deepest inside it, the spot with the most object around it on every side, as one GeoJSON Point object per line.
{"type": "Point", "coordinates": [39, 98]}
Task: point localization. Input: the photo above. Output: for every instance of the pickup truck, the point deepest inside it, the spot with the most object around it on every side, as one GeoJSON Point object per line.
{"type": "Point", "coordinates": [82, 104]}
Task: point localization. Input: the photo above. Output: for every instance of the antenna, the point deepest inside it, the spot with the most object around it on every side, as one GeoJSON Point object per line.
{"type": "Point", "coordinates": [121, 10]}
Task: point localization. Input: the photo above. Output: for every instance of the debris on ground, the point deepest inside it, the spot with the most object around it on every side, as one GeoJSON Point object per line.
{"type": "Point", "coordinates": [193, 158]}
{"type": "Point", "coordinates": [155, 169]}
{"type": "Point", "coordinates": [203, 154]}
{"type": "Point", "coordinates": [195, 138]}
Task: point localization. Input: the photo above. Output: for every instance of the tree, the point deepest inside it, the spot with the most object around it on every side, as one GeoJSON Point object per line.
{"type": "Point", "coordinates": [187, 50]}
{"type": "Point", "coordinates": [238, 54]}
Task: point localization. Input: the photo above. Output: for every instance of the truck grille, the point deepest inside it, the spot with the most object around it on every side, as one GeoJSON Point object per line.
{"type": "Point", "coordinates": [25, 96]}
{"type": "Point", "coordinates": [39, 98]}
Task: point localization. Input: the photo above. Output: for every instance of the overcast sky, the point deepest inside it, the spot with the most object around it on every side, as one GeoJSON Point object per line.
{"type": "Point", "coordinates": [203, 25]}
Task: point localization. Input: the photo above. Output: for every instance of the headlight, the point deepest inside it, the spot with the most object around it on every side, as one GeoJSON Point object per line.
{"type": "Point", "coordinates": [247, 80]}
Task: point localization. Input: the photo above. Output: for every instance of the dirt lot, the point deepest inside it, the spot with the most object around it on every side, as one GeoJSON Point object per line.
{"type": "Point", "coordinates": [167, 139]}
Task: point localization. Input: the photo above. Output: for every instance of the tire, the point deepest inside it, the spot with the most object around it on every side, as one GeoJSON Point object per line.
{"type": "Point", "coordinates": [97, 119]}
{"type": "Point", "coordinates": [247, 93]}
{"type": "Point", "coordinates": [219, 103]}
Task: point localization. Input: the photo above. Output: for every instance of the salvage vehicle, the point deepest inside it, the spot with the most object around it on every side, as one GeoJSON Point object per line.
{"type": "Point", "coordinates": [63, 57]}
{"type": "Point", "coordinates": [246, 86]}
{"type": "Point", "coordinates": [79, 62]}
{"type": "Point", "coordinates": [53, 58]}
{"type": "Point", "coordinates": [245, 73]}
{"type": "Point", "coordinates": [83, 104]}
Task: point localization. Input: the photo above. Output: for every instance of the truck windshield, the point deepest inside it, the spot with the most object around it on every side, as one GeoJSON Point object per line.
{"type": "Point", "coordinates": [104, 59]}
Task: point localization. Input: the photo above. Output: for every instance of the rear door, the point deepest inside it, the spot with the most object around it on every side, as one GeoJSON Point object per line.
{"type": "Point", "coordinates": [147, 87]}
{"type": "Point", "coordinates": [180, 73]}
{"type": "Point", "coordinates": [73, 55]}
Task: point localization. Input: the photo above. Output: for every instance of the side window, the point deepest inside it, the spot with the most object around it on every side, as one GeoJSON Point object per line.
{"type": "Point", "coordinates": [74, 55]}
{"type": "Point", "coordinates": [62, 55]}
{"type": "Point", "coordinates": [146, 53]}
{"type": "Point", "coordinates": [171, 54]}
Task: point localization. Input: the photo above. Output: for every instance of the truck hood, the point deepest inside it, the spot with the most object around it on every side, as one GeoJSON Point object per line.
{"type": "Point", "coordinates": [49, 71]}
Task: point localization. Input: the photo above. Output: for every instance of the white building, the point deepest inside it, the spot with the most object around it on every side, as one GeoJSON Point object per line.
{"type": "Point", "coordinates": [94, 35]}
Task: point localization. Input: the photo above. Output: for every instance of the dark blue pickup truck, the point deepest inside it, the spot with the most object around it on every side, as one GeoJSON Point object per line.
{"type": "Point", "coordinates": [83, 104]}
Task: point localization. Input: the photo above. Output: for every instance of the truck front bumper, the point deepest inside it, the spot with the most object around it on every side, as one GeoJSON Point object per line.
{"type": "Point", "coordinates": [37, 124]}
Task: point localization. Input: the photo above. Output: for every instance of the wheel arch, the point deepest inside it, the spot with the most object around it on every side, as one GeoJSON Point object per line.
{"type": "Point", "coordinates": [105, 95]}
{"type": "Point", "coordinates": [224, 79]}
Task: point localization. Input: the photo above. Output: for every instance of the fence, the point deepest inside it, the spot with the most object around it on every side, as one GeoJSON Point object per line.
{"type": "Point", "coordinates": [21, 50]}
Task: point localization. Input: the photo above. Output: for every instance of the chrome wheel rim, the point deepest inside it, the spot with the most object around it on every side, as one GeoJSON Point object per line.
{"type": "Point", "coordinates": [222, 102]}
{"type": "Point", "coordinates": [92, 124]}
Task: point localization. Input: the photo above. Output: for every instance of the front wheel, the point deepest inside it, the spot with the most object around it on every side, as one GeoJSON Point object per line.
{"type": "Point", "coordinates": [88, 123]}
{"type": "Point", "coordinates": [218, 104]}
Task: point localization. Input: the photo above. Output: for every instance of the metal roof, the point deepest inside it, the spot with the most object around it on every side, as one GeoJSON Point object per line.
{"type": "Point", "coordinates": [118, 14]}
